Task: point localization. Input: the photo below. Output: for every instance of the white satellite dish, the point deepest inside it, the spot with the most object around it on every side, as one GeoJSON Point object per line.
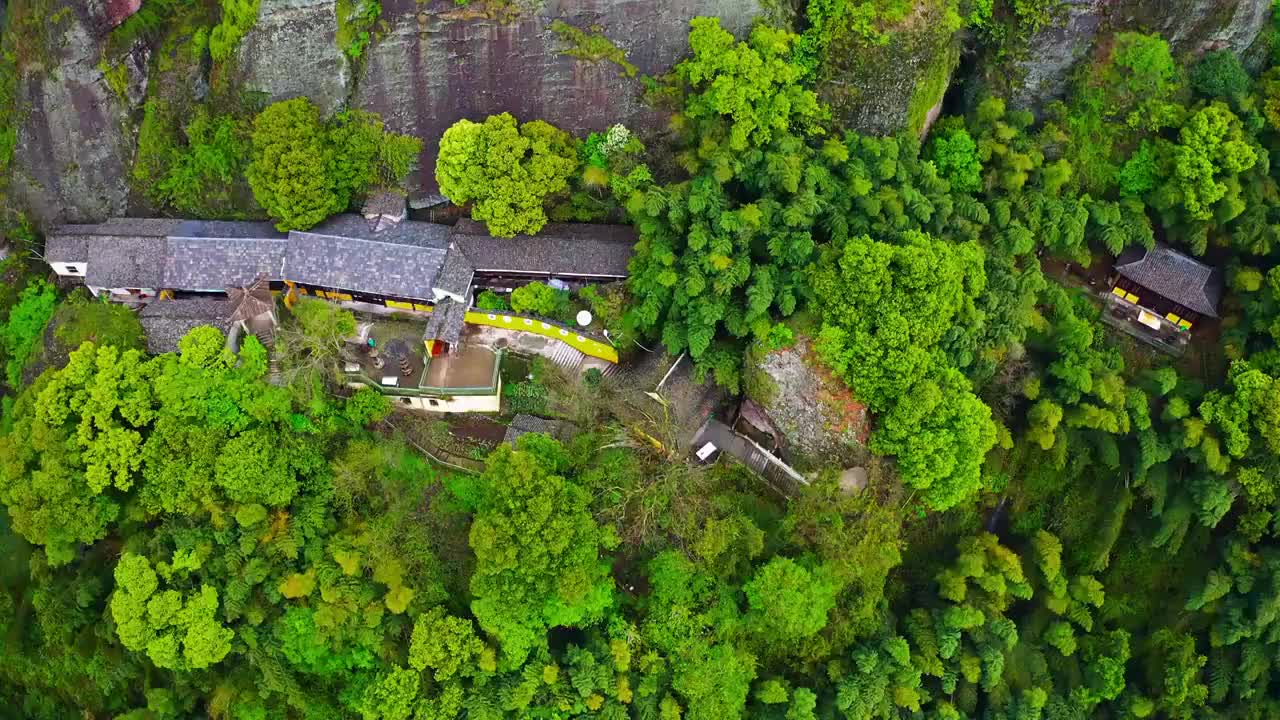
{"type": "Point", "coordinates": [584, 317]}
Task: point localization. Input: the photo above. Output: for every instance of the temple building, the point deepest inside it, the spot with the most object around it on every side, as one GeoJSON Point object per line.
{"type": "Point", "coordinates": [1165, 292]}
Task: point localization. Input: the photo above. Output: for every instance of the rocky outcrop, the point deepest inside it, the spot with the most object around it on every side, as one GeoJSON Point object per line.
{"type": "Point", "coordinates": [884, 88]}
{"type": "Point", "coordinates": [820, 420]}
{"type": "Point", "coordinates": [75, 145]}
{"type": "Point", "coordinates": [438, 63]}
{"type": "Point", "coordinates": [1191, 26]}
{"type": "Point", "coordinates": [291, 52]}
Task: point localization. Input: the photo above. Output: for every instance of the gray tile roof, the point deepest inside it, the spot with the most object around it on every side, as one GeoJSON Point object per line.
{"type": "Point", "coordinates": [568, 249]}
{"type": "Point", "coordinates": [126, 261]}
{"type": "Point", "coordinates": [167, 321]}
{"type": "Point", "coordinates": [446, 322]}
{"type": "Point", "coordinates": [121, 252]}
{"type": "Point", "coordinates": [345, 253]}
{"type": "Point", "coordinates": [1175, 276]}
{"type": "Point", "coordinates": [456, 273]}
{"type": "Point", "coordinates": [65, 244]}
{"type": "Point", "coordinates": [523, 424]}
{"type": "Point", "coordinates": [228, 229]}
{"type": "Point", "coordinates": [221, 263]}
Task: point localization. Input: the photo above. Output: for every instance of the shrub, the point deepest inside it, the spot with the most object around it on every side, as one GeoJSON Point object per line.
{"type": "Point", "coordinates": [101, 323]}
{"type": "Point", "coordinates": [529, 397]}
{"type": "Point", "coordinates": [539, 299]}
{"type": "Point", "coordinates": [237, 17]}
{"type": "Point", "coordinates": [491, 301]}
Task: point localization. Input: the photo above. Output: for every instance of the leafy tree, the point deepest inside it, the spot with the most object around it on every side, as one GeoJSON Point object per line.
{"type": "Point", "coordinates": [889, 306]}
{"type": "Point", "coordinates": [289, 167]}
{"type": "Point", "coordinates": [302, 170]}
{"type": "Point", "coordinates": [538, 562]}
{"type": "Point", "coordinates": [788, 601]}
{"type": "Point", "coordinates": [723, 251]}
{"type": "Point", "coordinates": [177, 632]}
{"type": "Point", "coordinates": [510, 170]}
{"type": "Point", "coordinates": [956, 155]}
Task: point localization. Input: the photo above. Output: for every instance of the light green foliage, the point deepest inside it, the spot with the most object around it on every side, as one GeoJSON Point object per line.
{"type": "Point", "coordinates": [74, 439]}
{"type": "Point", "coordinates": [509, 170]}
{"type": "Point", "coordinates": [237, 17]}
{"type": "Point", "coordinates": [956, 155]}
{"type": "Point", "coordinates": [21, 333]}
{"type": "Point", "coordinates": [539, 299]}
{"type": "Point", "coordinates": [489, 300]}
{"type": "Point", "coordinates": [1212, 148]}
{"type": "Point", "coordinates": [940, 432]}
{"type": "Point", "coordinates": [538, 551]}
{"type": "Point", "coordinates": [303, 170]}
{"type": "Point", "coordinates": [753, 85]}
{"type": "Point", "coordinates": [592, 47]}
{"type": "Point", "coordinates": [788, 601]}
{"type": "Point", "coordinates": [289, 163]}
{"type": "Point", "coordinates": [391, 696]}
{"type": "Point", "coordinates": [206, 347]}
{"type": "Point", "coordinates": [177, 630]}
{"type": "Point", "coordinates": [888, 307]}
{"type": "Point", "coordinates": [447, 646]}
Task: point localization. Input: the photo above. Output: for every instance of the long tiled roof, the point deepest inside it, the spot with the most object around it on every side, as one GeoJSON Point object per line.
{"type": "Point", "coordinates": [345, 253]}
{"type": "Point", "coordinates": [558, 249]}
{"type": "Point", "coordinates": [1175, 276]}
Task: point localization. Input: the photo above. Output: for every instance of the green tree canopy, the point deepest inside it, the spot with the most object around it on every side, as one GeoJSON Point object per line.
{"type": "Point", "coordinates": [509, 170]}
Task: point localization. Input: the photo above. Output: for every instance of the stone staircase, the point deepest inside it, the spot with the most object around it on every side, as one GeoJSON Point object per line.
{"type": "Point", "coordinates": [566, 356]}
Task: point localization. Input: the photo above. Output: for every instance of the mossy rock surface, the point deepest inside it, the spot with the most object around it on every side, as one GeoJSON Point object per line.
{"type": "Point", "coordinates": [882, 88]}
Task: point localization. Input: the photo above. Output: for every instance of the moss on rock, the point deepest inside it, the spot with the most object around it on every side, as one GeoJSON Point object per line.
{"type": "Point", "coordinates": [886, 87]}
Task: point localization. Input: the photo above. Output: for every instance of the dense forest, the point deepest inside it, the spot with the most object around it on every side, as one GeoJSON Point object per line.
{"type": "Point", "coordinates": [1060, 522]}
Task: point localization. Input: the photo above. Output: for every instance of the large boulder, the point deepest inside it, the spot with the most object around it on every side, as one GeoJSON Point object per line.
{"type": "Point", "coordinates": [292, 51]}
{"type": "Point", "coordinates": [75, 141]}
{"type": "Point", "coordinates": [1191, 26]}
{"type": "Point", "coordinates": [438, 63]}
{"type": "Point", "coordinates": [821, 422]}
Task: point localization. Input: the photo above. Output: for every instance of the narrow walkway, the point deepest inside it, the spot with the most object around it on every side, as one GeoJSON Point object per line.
{"type": "Point", "coordinates": [780, 475]}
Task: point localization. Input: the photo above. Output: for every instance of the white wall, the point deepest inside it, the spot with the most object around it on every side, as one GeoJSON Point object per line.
{"type": "Point", "coordinates": [455, 404]}
{"type": "Point", "coordinates": [65, 269]}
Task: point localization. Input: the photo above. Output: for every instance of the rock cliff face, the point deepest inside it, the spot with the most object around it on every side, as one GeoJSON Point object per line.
{"type": "Point", "coordinates": [433, 62]}
{"type": "Point", "coordinates": [881, 89]}
{"type": "Point", "coordinates": [1191, 26]}
{"type": "Point", "coordinates": [438, 63]}
{"type": "Point", "coordinates": [291, 52]}
{"type": "Point", "coordinates": [75, 145]}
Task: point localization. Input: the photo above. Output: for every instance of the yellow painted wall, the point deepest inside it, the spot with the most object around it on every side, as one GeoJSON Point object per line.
{"type": "Point", "coordinates": [588, 346]}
